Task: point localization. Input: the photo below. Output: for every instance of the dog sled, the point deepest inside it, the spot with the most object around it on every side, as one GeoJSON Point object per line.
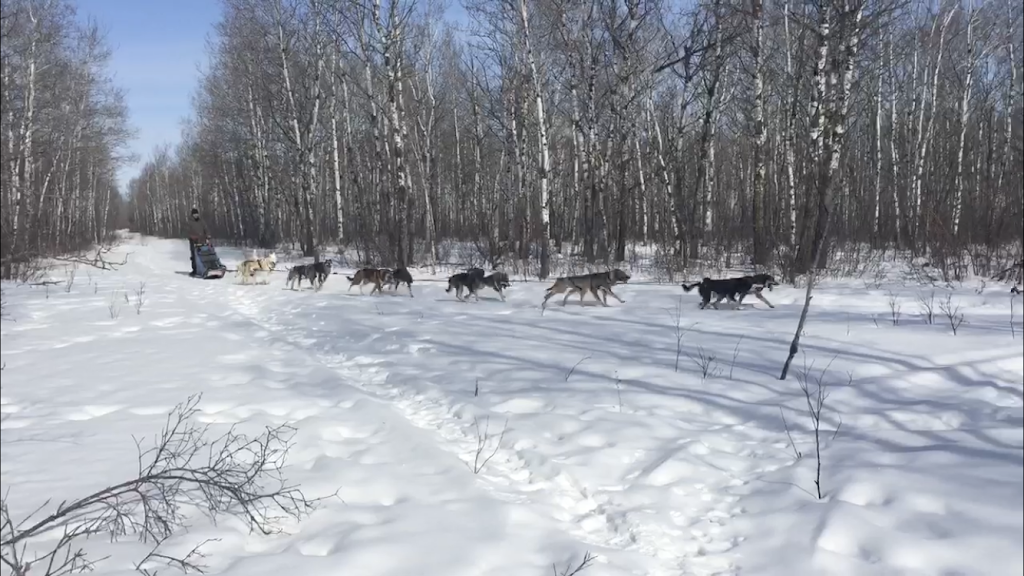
{"type": "Point", "coordinates": [208, 264]}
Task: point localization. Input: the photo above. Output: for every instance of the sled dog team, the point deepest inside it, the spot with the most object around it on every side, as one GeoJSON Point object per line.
{"type": "Point", "coordinates": [598, 284]}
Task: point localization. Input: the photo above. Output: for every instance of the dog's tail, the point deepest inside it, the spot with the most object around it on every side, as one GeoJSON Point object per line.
{"type": "Point", "coordinates": [449, 288]}
{"type": "Point", "coordinates": [350, 279]}
{"type": "Point", "coordinates": [688, 287]}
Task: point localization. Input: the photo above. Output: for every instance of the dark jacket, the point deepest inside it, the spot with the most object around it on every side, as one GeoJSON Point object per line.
{"type": "Point", "coordinates": [197, 231]}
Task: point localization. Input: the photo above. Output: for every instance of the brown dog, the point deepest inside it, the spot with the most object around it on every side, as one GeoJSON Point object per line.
{"type": "Point", "coordinates": [377, 276]}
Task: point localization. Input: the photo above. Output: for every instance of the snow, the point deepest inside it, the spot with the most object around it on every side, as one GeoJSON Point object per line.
{"type": "Point", "coordinates": [606, 447]}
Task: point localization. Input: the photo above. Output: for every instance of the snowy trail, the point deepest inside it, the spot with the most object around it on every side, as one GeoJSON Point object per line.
{"type": "Point", "coordinates": [661, 458]}
{"type": "Point", "coordinates": [522, 476]}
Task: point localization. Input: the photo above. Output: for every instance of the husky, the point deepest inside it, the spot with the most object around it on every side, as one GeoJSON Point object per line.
{"type": "Point", "coordinates": [468, 280]}
{"type": "Point", "coordinates": [498, 282]}
{"type": "Point", "coordinates": [730, 288]}
{"type": "Point", "coordinates": [597, 283]}
{"type": "Point", "coordinates": [377, 276]}
{"type": "Point", "coordinates": [401, 275]}
{"type": "Point", "coordinates": [322, 270]}
{"type": "Point", "coordinates": [251, 267]}
{"type": "Point", "coordinates": [300, 272]}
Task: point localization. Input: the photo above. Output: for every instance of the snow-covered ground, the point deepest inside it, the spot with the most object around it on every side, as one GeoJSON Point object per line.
{"type": "Point", "coordinates": [615, 441]}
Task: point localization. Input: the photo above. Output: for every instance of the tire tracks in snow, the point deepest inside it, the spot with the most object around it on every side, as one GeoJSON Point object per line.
{"type": "Point", "coordinates": [515, 477]}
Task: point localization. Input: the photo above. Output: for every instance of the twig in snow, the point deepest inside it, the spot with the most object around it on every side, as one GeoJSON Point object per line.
{"type": "Point", "coordinates": [573, 570]}
{"type": "Point", "coordinates": [789, 435]}
{"type": "Point", "coordinates": [97, 260]}
{"type": "Point", "coordinates": [735, 354]}
{"type": "Point", "coordinates": [483, 440]}
{"type": "Point", "coordinates": [1013, 331]}
{"type": "Point", "coordinates": [573, 369]}
{"type": "Point", "coordinates": [618, 389]}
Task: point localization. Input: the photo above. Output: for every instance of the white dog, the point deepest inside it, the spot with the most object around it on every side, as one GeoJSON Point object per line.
{"type": "Point", "coordinates": [257, 268]}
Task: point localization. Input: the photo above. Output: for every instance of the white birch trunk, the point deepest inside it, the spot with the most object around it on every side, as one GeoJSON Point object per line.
{"type": "Point", "coordinates": [965, 111]}
{"type": "Point", "coordinates": [339, 202]}
{"type": "Point", "coordinates": [924, 131]}
{"type": "Point", "coordinates": [542, 141]}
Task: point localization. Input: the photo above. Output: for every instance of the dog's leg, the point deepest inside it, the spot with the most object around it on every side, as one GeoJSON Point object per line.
{"type": "Point", "coordinates": [609, 291]}
{"type": "Point", "coordinates": [410, 291]}
{"type": "Point", "coordinates": [568, 292]}
{"type": "Point", "coordinates": [597, 295]}
{"type": "Point", "coordinates": [761, 297]}
{"type": "Point", "coordinates": [501, 295]}
{"type": "Point", "coordinates": [716, 302]}
{"type": "Point", "coordinates": [546, 298]}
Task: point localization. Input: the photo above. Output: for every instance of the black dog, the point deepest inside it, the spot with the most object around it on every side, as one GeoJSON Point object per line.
{"type": "Point", "coordinates": [764, 280]}
{"type": "Point", "coordinates": [402, 276]}
{"type": "Point", "coordinates": [730, 288]}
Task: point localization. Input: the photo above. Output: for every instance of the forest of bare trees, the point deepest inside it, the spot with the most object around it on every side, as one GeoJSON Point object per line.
{"type": "Point", "coordinates": [64, 127]}
{"type": "Point", "coordinates": [537, 130]}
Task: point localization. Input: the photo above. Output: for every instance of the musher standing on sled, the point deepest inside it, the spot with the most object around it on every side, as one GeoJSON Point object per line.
{"type": "Point", "coordinates": [197, 235]}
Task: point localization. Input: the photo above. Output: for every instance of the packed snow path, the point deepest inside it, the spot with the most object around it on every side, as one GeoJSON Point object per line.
{"type": "Point", "coordinates": [662, 459]}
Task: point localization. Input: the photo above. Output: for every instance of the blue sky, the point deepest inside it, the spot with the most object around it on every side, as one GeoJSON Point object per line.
{"type": "Point", "coordinates": [158, 47]}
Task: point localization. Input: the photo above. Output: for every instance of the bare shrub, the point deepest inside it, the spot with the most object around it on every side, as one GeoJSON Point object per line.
{"type": "Point", "coordinates": [97, 260]}
{"type": "Point", "coordinates": [618, 390]}
{"type": "Point", "coordinates": [1013, 314]}
{"type": "Point", "coordinates": [140, 297]}
{"type": "Point", "coordinates": [70, 272]}
{"type": "Point", "coordinates": [678, 330]}
{"type": "Point", "coordinates": [232, 475]}
{"type": "Point", "coordinates": [113, 307]}
{"type": "Point", "coordinates": [952, 312]}
{"type": "Point", "coordinates": [736, 352]}
{"type": "Point", "coordinates": [927, 305]}
{"type": "Point", "coordinates": [573, 569]}
{"type": "Point", "coordinates": [816, 393]}
{"type": "Point", "coordinates": [706, 362]}
{"type": "Point", "coordinates": [895, 308]}
{"type": "Point", "coordinates": [486, 443]}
